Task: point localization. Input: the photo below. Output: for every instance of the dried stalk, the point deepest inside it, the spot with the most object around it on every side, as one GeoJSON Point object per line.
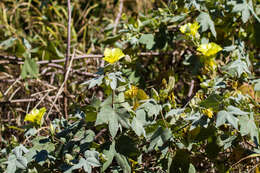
{"type": "Point", "coordinates": [62, 86]}
{"type": "Point", "coordinates": [65, 99]}
{"type": "Point", "coordinates": [118, 15]}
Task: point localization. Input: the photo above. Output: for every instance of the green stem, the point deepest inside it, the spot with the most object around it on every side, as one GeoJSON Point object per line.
{"type": "Point", "coordinates": [113, 98]}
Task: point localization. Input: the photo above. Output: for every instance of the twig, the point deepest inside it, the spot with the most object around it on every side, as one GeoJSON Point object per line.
{"type": "Point", "coordinates": [55, 65]}
{"type": "Point", "coordinates": [28, 107]}
{"type": "Point", "coordinates": [62, 86]}
{"type": "Point", "coordinates": [48, 90]}
{"type": "Point", "coordinates": [55, 106]}
{"type": "Point", "coordinates": [65, 99]}
{"type": "Point", "coordinates": [100, 133]}
{"type": "Point", "coordinates": [14, 60]}
{"type": "Point", "coordinates": [11, 59]}
{"type": "Point", "coordinates": [41, 100]}
{"type": "Point", "coordinates": [191, 88]}
{"type": "Point", "coordinates": [18, 101]}
{"type": "Point", "coordinates": [164, 121]}
{"type": "Point", "coordinates": [118, 16]}
{"type": "Point", "coordinates": [17, 80]}
{"type": "Point", "coordinates": [254, 167]}
{"type": "Point", "coordinates": [13, 94]}
{"type": "Point", "coordinates": [85, 73]}
{"type": "Point", "coordinates": [25, 100]}
{"type": "Point", "coordinates": [244, 158]}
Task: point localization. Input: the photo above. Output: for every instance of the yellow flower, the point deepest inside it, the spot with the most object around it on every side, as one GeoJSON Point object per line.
{"type": "Point", "coordinates": [171, 97]}
{"type": "Point", "coordinates": [133, 164]}
{"type": "Point", "coordinates": [210, 64]}
{"type": "Point", "coordinates": [208, 112]}
{"type": "Point", "coordinates": [190, 29]}
{"type": "Point", "coordinates": [35, 116]}
{"type": "Point", "coordinates": [141, 95]}
{"type": "Point", "coordinates": [136, 94]}
{"type": "Point", "coordinates": [132, 92]}
{"type": "Point", "coordinates": [209, 49]}
{"type": "Point", "coordinates": [113, 55]}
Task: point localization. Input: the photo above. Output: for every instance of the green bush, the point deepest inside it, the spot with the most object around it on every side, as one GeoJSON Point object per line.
{"type": "Point", "coordinates": [191, 108]}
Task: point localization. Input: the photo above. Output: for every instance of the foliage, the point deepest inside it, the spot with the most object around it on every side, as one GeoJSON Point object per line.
{"type": "Point", "coordinates": [194, 107]}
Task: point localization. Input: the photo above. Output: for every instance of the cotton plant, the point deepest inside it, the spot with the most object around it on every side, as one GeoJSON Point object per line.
{"type": "Point", "coordinates": [133, 94]}
{"type": "Point", "coordinates": [207, 51]}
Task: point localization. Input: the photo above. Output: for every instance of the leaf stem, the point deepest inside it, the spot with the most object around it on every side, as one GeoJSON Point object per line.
{"type": "Point", "coordinates": [113, 98]}
{"type": "Point", "coordinates": [164, 121]}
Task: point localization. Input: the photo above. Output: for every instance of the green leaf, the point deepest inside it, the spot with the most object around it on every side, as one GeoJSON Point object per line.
{"type": "Point", "coordinates": [11, 168]}
{"type": "Point", "coordinates": [198, 120]}
{"type": "Point", "coordinates": [107, 115]}
{"type": "Point", "coordinates": [30, 69]}
{"type": "Point", "coordinates": [79, 165]}
{"type": "Point", "coordinates": [206, 23]}
{"type": "Point", "coordinates": [228, 142]}
{"type": "Point", "coordinates": [224, 116]}
{"type": "Point", "coordinates": [151, 107]}
{"type": "Point", "coordinates": [7, 43]}
{"type": "Point", "coordinates": [92, 158]}
{"type": "Point", "coordinates": [89, 136]}
{"type": "Point", "coordinates": [127, 146]}
{"type": "Point", "coordinates": [236, 111]}
{"type": "Point", "coordinates": [257, 85]}
{"type": "Point", "coordinates": [27, 44]}
{"type": "Point", "coordinates": [123, 163]}
{"type": "Point", "coordinates": [237, 68]}
{"type": "Point", "coordinates": [123, 118]}
{"type": "Point", "coordinates": [113, 81]}
{"type": "Point", "coordinates": [138, 127]}
{"type": "Point", "coordinates": [192, 168]}
{"type": "Point", "coordinates": [177, 18]}
{"type": "Point", "coordinates": [111, 40]}
{"type": "Point", "coordinates": [113, 123]}
{"type": "Point", "coordinates": [109, 155]}
{"type": "Point", "coordinates": [248, 126]}
{"type": "Point", "coordinates": [43, 143]}
{"type": "Point", "coordinates": [170, 84]}
{"type": "Point", "coordinates": [148, 40]}
{"type": "Point", "coordinates": [213, 101]}
{"type": "Point", "coordinates": [103, 115]}
{"type": "Point", "coordinates": [93, 82]}
{"type": "Point", "coordinates": [245, 9]}
{"type": "Point", "coordinates": [159, 137]}
{"type": "Point", "coordinates": [174, 112]}
{"type": "Point", "coordinates": [16, 159]}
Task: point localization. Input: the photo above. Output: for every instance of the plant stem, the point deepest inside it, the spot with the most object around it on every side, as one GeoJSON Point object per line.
{"type": "Point", "coordinates": [164, 120]}
{"type": "Point", "coordinates": [65, 99]}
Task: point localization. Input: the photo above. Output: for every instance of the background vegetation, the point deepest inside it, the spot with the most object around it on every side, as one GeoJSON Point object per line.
{"type": "Point", "coordinates": [171, 104]}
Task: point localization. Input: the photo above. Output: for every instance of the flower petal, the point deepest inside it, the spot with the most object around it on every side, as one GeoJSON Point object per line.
{"type": "Point", "coordinates": [108, 52]}
{"type": "Point", "coordinates": [209, 49]}
{"type": "Point", "coordinates": [113, 55]}
{"type": "Point", "coordinates": [35, 116]}
{"type": "Point", "coordinates": [117, 53]}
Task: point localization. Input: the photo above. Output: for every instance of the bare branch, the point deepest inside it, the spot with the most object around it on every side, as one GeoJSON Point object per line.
{"type": "Point", "coordinates": [65, 99]}
{"type": "Point", "coordinates": [118, 15]}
